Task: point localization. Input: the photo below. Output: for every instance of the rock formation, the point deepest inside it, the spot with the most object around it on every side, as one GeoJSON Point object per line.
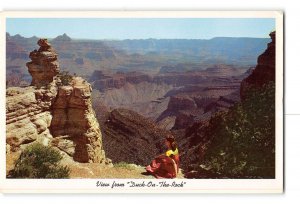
{"type": "Point", "coordinates": [75, 124]}
{"type": "Point", "coordinates": [44, 65]}
{"type": "Point", "coordinates": [264, 71]}
{"type": "Point", "coordinates": [54, 111]}
{"type": "Point", "coordinates": [28, 116]}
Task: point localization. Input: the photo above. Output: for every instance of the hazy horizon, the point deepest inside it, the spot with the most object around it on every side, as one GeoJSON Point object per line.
{"type": "Point", "coordinates": [141, 29]}
{"type": "Point", "coordinates": [107, 39]}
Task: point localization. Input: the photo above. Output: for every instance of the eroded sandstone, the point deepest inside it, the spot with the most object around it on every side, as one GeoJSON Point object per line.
{"type": "Point", "coordinates": [53, 113]}
{"type": "Point", "coordinates": [44, 65]}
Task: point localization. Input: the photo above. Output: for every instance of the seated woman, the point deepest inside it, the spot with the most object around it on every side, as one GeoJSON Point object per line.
{"type": "Point", "coordinates": [166, 165]}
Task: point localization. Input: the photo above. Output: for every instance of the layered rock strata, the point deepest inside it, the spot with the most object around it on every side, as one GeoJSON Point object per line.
{"type": "Point", "coordinates": [75, 124]}
{"type": "Point", "coordinates": [53, 113]}
{"type": "Point", "coordinates": [44, 65]}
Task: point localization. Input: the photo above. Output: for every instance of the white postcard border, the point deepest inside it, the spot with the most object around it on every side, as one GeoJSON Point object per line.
{"type": "Point", "coordinates": [191, 185]}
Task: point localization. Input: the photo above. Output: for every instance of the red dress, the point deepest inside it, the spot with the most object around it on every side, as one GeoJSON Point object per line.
{"type": "Point", "coordinates": [164, 166]}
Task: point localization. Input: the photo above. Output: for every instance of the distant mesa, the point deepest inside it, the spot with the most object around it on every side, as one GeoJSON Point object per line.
{"type": "Point", "coordinates": [62, 38]}
{"type": "Point", "coordinates": [18, 37]}
{"type": "Point", "coordinates": [34, 38]}
{"type": "Point", "coordinates": [14, 50]}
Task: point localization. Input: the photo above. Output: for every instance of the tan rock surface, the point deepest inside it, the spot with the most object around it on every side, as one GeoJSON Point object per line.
{"type": "Point", "coordinates": [52, 114]}
{"type": "Point", "coordinates": [44, 65]}
{"type": "Point", "coordinates": [28, 117]}
{"type": "Point", "coordinates": [73, 115]}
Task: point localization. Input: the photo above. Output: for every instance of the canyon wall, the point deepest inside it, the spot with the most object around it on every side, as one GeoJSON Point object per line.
{"type": "Point", "coordinates": [201, 134]}
{"type": "Point", "coordinates": [264, 71]}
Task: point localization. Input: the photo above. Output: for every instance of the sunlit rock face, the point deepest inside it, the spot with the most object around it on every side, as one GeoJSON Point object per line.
{"type": "Point", "coordinates": [53, 113]}
{"type": "Point", "coordinates": [74, 122]}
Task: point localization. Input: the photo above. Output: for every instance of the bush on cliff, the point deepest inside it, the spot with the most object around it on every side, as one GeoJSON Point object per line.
{"type": "Point", "coordinates": [65, 78]}
{"type": "Point", "coordinates": [39, 161]}
{"type": "Point", "coordinates": [243, 139]}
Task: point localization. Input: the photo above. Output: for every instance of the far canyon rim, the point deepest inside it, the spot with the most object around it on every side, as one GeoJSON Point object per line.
{"type": "Point", "coordinates": [153, 77]}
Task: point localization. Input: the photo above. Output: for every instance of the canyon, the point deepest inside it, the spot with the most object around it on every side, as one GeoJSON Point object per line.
{"type": "Point", "coordinates": [83, 57]}
{"type": "Point", "coordinates": [173, 100]}
{"type": "Point", "coordinates": [119, 99]}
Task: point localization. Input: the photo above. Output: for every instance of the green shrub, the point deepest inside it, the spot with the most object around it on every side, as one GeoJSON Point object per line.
{"type": "Point", "coordinates": [39, 161]}
{"type": "Point", "coordinates": [65, 78]}
{"type": "Point", "coordinates": [243, 139]}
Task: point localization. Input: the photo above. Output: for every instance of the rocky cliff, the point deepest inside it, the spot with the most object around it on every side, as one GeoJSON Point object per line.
{"type": "Point", "coordinates": [129, 137]}
{"type": "Point", "coordinates": [199, 137]}
{"type": "Point", "coordinates": [56, 110]}
{"type": "Point", "coordinates": [74, 124]}
{"type": "Point", "coordinates": [264, 71]}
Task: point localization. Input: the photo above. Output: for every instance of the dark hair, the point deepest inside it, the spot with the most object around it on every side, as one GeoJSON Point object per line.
{"type": "Point", "coordinates": [170, 138]}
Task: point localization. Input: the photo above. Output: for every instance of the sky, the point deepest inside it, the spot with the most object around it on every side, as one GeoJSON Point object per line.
{"type": "Point", "coordinates": [141, 28]}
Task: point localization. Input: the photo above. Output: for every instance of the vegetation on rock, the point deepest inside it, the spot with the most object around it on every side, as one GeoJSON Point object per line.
{"type": "Point", "coordinates": [39, 161]}
{"type": "Point", "coordinates": [243, 139]}
{"type": "Point", "coordinates": [65, 78]}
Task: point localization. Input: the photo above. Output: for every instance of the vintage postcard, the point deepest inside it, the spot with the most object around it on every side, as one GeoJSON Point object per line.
{"type": "Point", "coordinates": [142, 102]}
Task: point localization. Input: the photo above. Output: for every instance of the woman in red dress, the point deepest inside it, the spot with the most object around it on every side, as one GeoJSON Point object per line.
{"type": "Point", "coordinates": [166, 165]}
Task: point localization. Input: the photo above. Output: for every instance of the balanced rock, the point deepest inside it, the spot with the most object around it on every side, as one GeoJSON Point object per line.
{"type": "Point", "coordinates": [44, 65]}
